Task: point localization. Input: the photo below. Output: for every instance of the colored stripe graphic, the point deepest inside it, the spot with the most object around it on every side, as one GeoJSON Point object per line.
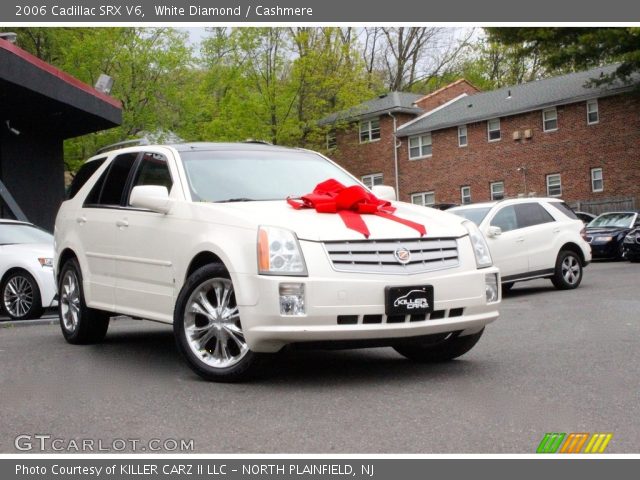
{"type": "Point", "coordinates": [574, 443]}
{"type": "Point", "coordinates": [598, 443]}
{"type": "Point", "coordinates": [550, 442]}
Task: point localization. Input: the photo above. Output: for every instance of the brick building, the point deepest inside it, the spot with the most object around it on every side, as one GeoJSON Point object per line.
{"type": "Point", "coordinates": [556, 137]}
{"type": "Point", "coordinates": [362, 138]}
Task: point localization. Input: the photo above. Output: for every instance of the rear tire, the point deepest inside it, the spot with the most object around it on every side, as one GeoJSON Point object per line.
{"type": "Point", "coordinates": [207, 328]}
{"type": "Point", "coordinates": [80, 324]}
{"type": "Point", "coordinates": [568, 271]}
{"type": "Point", "coordinates": [440, 347]}
{"type": "Point", "coordinates": [21, 298]}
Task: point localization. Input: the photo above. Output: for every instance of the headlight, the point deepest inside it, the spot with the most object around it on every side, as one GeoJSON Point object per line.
{"type": "Point", "coordinates": [629, 239]}
{"type": "Point", "coordinates": [45, 262]}
{"type": "Point", "coordinates": [480, 247]}
{"type": "Point", "coordinates": [602, 239]}
{"type": "Point", "coordinates": [279, 253]}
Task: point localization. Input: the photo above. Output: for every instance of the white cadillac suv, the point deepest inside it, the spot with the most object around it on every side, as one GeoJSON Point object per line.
{"type": "Point", "coordinates": [202, 236]}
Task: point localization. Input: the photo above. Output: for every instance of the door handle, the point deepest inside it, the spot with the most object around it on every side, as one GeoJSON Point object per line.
{"type": "Point", "coordinates": [556, 230]}
{"type": "Point", "coordinates": [520, 239]}
{"type": "Point", "coordinates": [81, 220]}
{"type": "Point", "coordinates": [122, 223]}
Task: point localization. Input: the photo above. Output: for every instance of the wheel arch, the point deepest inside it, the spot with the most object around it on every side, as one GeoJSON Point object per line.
{"type": "Point", "coordinates": [572, 247]}
{"type": "Point", "coordinates": [204, 257]}
{"type": "Point", "coordinates": [65, 255]}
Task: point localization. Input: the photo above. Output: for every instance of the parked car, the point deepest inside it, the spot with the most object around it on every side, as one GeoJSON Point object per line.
{"type": "Point", "coordinates": [606, 233]}
{"type": "Point", "coordinates": [26, 269]}
{"type": "Point", "coordinates": [586, 217]}
{"type": "Point", "coordinates": [201, 236]}
{"type": "Point", "coordinates": [532, 238]}
{"type": "Point", "coordinates": [631, 246]}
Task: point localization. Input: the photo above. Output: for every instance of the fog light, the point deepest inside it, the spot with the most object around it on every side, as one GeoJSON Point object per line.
{"type": "Point", "coordinates": [491, 287]}
{"type": "Point", "coordinates": [292, 299]}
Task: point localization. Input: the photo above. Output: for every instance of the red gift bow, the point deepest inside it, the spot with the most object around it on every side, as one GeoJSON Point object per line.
{"type": "Point", "coordinates": [331, 196]}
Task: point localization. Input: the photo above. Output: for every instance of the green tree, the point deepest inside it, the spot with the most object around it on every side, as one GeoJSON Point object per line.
{"type": "Point", "coordinates": [568, 48]}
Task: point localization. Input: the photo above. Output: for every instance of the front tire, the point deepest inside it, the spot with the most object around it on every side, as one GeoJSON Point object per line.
{"type": "Point", "coordinates": [21, 298]}
{"type": "Point", "coordinates": [80, 324]}
{"type": "Point", "coordinates": [439, 347]}
{"type": "Point", "coordinates": [568, 271]}
{"type": "Point", "coordinates": [206, 324]}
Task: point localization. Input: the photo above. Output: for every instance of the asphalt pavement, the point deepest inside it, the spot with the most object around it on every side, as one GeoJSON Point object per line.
{"type": "Point", "coordinates": [555, 361]}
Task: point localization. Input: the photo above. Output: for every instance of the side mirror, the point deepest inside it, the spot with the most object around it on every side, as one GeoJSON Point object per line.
{"type": "Point", "coordinates": [384, 192]}
{"type": "Point", "coordinates": [151, 197]}
{"type": "Point", "coordinates": [494, 232]}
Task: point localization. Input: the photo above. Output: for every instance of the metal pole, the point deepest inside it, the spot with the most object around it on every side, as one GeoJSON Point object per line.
{"type": "Point", "coordinates": [12, 204]}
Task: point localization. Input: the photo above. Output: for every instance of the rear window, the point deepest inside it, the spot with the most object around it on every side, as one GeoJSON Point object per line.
{"type": "Point", "coordinates": [564, 208]}
{"type": "Point", "coordinates": [83, 175]}
{"type": "Point", "coordinates": [109, 189]}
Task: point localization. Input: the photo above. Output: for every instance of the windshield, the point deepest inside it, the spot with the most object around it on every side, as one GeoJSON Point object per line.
{"type": "Point", "coordinates": [620, 219]}
{"type": "Point", "coordinates": [476, 215]}
{"type": "Point", "coordinates": [20, 233]}
{"type": "Point", "coordinates": [218, 176]}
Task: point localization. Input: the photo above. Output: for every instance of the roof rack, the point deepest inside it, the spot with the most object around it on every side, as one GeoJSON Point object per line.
{"type": "Point", "coordinates": [124, 143]}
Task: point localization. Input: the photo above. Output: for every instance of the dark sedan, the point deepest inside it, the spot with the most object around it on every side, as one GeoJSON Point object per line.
{"type": "Point", "coordinates": [606, 233]}
{"type": "Point", "coordinates": [632, 245]}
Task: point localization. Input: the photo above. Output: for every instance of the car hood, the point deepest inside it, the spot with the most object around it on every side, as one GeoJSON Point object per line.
{"type": "Point", "coordinates": [33, 249]}
{"type": "Point", "coordinates": [613, 231]}
{"type": "Point", "coordinates": [311, 225]}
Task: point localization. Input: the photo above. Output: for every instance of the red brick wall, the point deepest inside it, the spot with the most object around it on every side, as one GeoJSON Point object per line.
{"type": "Point", "coordinates": [613, 144]}
{"type": "Point", "coordinates": [443, 95]}
{"type": "Point", "coordinates": [365, 158]}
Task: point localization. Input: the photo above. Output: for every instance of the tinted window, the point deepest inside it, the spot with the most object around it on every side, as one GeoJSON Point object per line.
{"type": "Point", "coordinates": [505, 219]}
{"type": "Point", "coordinates": [530, 214]}
{"type": "Point", "coordinates": [83, 175]}
{"type": "Point", "coordinates": [564, 208]}
{"type": "Point", "coordinates": [153, 170]}
{"type": "Point", "coordinates": [109, 189]}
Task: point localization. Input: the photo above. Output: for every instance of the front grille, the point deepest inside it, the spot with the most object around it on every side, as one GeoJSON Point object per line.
{"type": "Point", "coordinates": [378, 256]}
{"type": "Point", "coordinates": [376, 318]}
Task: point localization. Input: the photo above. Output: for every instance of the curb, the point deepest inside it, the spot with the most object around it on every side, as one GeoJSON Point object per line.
{"type": "Point", "coordinates": [28, 323]}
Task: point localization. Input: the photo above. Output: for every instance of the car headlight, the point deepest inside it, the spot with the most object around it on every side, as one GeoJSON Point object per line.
{"type": "Point", "coordinates": [45, 262]}
{"type": "Point", "coordinates": [480, 247]}
{"type": "Point", "coordinates": [630, 239]}
{"type": "Point", "coordinates": [603, 239]}
{"type": "Point", "coordinates": [279, 252]}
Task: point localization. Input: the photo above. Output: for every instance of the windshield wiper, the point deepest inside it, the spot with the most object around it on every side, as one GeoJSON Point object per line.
{"type": "Point", "coordinates": [241, 199]}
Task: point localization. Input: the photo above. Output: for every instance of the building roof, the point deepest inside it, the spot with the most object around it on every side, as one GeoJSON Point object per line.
{"type": "Point", "coordinates": [516, 99]}
{"type": "Point", "coordinates": [393, 102]}
{"type": "Point", "coordinates": [35, 93]}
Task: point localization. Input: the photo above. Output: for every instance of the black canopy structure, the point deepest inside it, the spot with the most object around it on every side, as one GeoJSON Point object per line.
{"type": "Point", "coordinates": [40, 107]}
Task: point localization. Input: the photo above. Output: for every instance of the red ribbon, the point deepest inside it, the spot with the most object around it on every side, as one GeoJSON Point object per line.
{"type": "Point", "coordinates": [350, 203]}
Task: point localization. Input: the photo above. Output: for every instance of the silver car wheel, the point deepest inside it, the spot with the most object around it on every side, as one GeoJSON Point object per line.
{"type": "Point", "coordinates": [571, 269]}
{"type": "Point", "coordinates": [212, 324]}
{"type": "Point", "coordinates": [70, 301]}
{"type": "Point", "coordinates": [18, 296]}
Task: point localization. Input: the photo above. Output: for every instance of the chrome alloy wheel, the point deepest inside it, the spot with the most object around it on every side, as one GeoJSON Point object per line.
{"type": "Point", "coordinates": [570, 269]}
{"type": "Point", "coordinates": [212, 324]}
{"type": "Point", "coordinates": [18, 296]}
{"type": "Point", "coordinates": [70, 301]}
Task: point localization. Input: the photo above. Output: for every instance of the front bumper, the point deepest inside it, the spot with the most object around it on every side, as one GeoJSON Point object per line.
{"type": "Point", "coordinates": [459, 300]}
{"type": "Point", "coordinates": [605, 250]}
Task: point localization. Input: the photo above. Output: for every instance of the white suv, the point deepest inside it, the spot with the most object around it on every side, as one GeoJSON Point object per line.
{"type": "Point", "coordinates": [532, 238]}
{"type": "Point", "coordinates": [201, 236]}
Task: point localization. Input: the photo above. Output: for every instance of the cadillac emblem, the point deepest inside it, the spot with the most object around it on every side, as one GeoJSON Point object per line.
{"type": "Point", "coordinates": [403, 255]}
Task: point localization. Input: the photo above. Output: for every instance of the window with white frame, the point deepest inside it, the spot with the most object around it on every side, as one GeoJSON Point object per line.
{"type": "Point", "coordinates": [427, 199]}
{"type": "Point", "coordinates": [462, 136]}
{"type": "Point", "coordinates": [497, 190]}
{"type": "Point", "coordinates": [331, 139]}
{"type": "Point", "coordinates": [370, 130]}
{"type": "Point", "coordinates": [597, 182]}
{"type": "Point", "coordinates": [554, 185]}
{"type": "Point", "coordinates": [420, 146]}
{"type": "Point", "coordinates": [550, 119]}
{"type": "Point", "coordinates": [465, 195]}
{"type": "Point", "coordinates": [372, 179]}
{"type": "Point", "coordinates": [592, 112]}
{"type": "Point", "coordinates": [493, 129]}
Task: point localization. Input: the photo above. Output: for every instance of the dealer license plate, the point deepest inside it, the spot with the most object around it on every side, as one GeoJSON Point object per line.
{"type": "Point", "coordinates": [408, 300]}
